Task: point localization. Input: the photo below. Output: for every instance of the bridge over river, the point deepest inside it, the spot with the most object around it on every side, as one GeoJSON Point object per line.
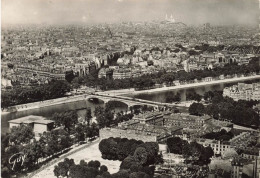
{"type": "Point", "coordinates": [103, 97]}
{"type": "Point", "coordinates": [129, 101]}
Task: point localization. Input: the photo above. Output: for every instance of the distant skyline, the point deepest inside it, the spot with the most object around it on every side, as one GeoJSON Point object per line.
{"type": "Point", "coordinates": [195, 12]}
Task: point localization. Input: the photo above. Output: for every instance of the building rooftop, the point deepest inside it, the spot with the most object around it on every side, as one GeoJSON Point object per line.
{"type": "Point", "coordinates": [31, 119]}
{"type": "Point", "coordinates": [187, 117]}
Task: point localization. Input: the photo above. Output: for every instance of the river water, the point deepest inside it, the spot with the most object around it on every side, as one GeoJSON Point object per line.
{"type": "Point", "coordinates": [162, 95]}
{"type": "Point", "coordinates": [81, 106]}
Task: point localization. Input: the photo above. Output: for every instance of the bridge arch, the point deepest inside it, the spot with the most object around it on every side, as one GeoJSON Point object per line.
{"type": "Point", "coordinates": [125, 100]}
{"type": "Point", "coordinates": [117, 103]}
{"type": "Point", "coordinates": [96, 100]}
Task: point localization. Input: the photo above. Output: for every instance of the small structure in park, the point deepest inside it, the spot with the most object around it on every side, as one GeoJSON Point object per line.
{"type": "Point", "coordinates": [38, 123]}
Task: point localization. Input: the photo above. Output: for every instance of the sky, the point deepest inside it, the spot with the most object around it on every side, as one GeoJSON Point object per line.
{"type": "Point", "coordinates": [218, 12]}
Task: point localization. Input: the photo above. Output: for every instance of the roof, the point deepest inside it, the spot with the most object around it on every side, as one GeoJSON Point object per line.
{"type": "Point", "coordinates": [187, 117]}
{"type": "Point", "coordinates": [31, 119]}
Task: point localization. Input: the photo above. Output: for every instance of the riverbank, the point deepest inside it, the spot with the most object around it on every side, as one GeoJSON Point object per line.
{"type": "Point", "coordinates": [130, 91]}
{"type": "Point", "coordinates": [41, 104]}
{"type": "Point", "coordinates": [191, 85]}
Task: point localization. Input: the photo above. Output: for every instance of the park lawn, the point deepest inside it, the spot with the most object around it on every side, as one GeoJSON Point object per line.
{"type": "Point", "coordinates": [90, 153]}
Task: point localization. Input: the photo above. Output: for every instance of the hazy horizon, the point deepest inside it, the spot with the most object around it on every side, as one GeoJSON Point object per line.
{"type": "Point", "coordinates": [193, 12]}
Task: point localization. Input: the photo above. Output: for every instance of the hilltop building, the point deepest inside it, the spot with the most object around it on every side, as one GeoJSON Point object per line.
{"type": "Point", "coordinates": [170, 20]}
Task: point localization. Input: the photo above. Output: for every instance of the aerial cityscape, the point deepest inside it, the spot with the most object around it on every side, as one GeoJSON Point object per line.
{"type": "Point", "coordinates": [130, 89]}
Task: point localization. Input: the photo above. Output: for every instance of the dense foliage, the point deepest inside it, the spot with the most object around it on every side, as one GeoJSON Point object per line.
{"type": "Point", "coordinates": [193, 96]}
{"type": "Point", "coordinates": [21, 135]}
{"type": "Point", "coordinates": [104, 116]}
{"type": "Point", "coordinates": [48, 144]}
{"type": "Point", "coordinates": [83, 131]}
{"type": "Point", "coordinates": [239, 112]}
{"type": "Point", "coordinates": [222, 135]}
{"type": "Point", "coordinates": [94, 169]}
{"type": "Point", "coordinates": [136, 156]}
{"type": "Point", "coordinates": [193, 152]}
{"type": "Point", "coordinates": [225, 108]}
{"type": "Point", "coordinates": [91, 169]}
{"type": "Point", "coordinates": [118, 149]}
{"type": "Point", "coordinates": [123, 117]}
{"type": "Point", "coordinates": [197, 109]}
{"type": "Point", "coordinates": [22, 95]}
{"type": "Point", "coordinates": [67, 119]}
{"type": "Point", "coordinates": [21, 139]}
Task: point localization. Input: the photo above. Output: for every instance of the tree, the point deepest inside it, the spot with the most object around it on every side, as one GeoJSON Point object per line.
{"type": "Point", "coordinates": [194, 96]}
{"type": "Point", "coordinates": [104, 116]}
{"type": "Point", "coordinates": [78, 171]}
{"type": "Point", "coordinates": [152, 149]}
{"type": "Point", "coordinates": [94, 130]}
{"type": "Point", "coordinates": [21, 134]}
{"type": "Point", "coordinates": [51, 142]}
{"type": "Point", "coordinates": [120, 174]}
{"type": "Point", "coordinates": [33, 152]}
{"type": "Point", "coordinates": [197, 109]}
{"type": "Point", "coordinates": [65, 139]}
{"type": "Point", "coordinates": [6, 99]}
{"type": "Point", "coordinates": [223, 135]}
{"type": "Point", "coordinates": [196, 150]}
{"type": "Point", "coordinates": [58, 88]}
{"type": "Point", "coordinates": [94, 164]}
{"type": "Point", "coordinates": [117, 148]}
{"type": "Point", "coordinates": [84, 171]}
{"type": "Point", "coordinates": [141, 155]}
{"type": "Point", "coordinates": [104, 175]}
{"type": "Point", "coordinates": [103, 169]}
{"type": "Point", "coordinates": [68, 119]}
{"type": "Point", "coordinates": [193, 152]}
{"type": "Point", "coordinates": [213, 111]}
{"type": "Point", "coordinates": [108, 148]}
{"type": "Point", "coordinates": [149, 170]}
{"type": "Point", "coordinates": [76, 82]}
{"type": "Point", "coordinates": [217, 98]}
{"type": "Point", "coordinates": [208, 95]}
{"type": "Point", "coordinates": [5, 172]}
{"type": "Point", "coordinates": [88, 115]}
{"type": "Point", "coordinates": [80, 132]}
{"type": "Point", "coordinates": [230, 153]}
{"type": "Point", "coordinates": [175, 145]}
{"type": "Point", "coordinates": [128, 162]}
{"type": "Point", "coordinates": [69, 76]}
{"type": "Point", "coordinates": [207, 154]}
{"type": "Point", "coordinates": [63, 168]}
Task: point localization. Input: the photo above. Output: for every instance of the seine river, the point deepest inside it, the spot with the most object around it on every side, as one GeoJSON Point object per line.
{"type": "Point", "coordinates": [162, 95]}
{"type": "Point", "coordinates": [81, 106]}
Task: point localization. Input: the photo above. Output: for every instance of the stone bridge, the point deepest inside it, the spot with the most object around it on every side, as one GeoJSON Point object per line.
{"type": "Point", "coordinates": [129, 101]}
